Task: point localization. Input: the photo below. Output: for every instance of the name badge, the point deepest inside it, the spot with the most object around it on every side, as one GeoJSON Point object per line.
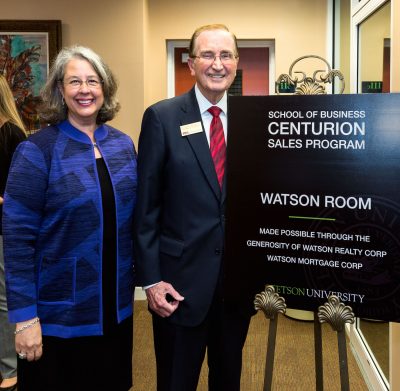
{"type": "Point", "coordinates": [189, 129]}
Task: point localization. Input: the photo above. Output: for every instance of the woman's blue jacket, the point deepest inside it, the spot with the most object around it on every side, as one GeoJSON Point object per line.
{"type": "Point", "coordinates": [53, 224]}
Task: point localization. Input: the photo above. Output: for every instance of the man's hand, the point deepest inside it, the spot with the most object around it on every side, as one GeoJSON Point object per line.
{"type": "Point", "coordinates": [157, 298]}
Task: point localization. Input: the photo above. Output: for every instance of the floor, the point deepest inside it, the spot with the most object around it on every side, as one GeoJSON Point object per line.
{"type": "Point", "coordinates": [294, 367]}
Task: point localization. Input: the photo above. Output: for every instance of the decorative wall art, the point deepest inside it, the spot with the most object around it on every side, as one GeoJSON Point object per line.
{"type": "Point", "coordinates": [27, 48]}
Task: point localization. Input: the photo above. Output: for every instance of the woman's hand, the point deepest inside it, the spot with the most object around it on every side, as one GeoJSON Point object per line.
{"type": "Point", "coordinates": [28, 341]}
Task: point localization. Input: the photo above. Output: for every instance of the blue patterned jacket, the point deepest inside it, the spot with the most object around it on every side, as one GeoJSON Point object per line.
{"type": "Point", "coordinates": [52, 228]}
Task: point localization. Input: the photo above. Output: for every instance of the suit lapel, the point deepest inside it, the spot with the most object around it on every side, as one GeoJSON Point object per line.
{"type": "Point", "coordinates": [198, 141]}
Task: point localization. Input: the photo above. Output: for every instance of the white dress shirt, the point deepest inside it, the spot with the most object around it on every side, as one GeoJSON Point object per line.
{"type": "Point", "coordinates": [206, 117]}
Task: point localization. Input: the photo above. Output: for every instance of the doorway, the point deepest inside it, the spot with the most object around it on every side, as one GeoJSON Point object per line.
{"type": "Point", "coordinates": [256, 69]}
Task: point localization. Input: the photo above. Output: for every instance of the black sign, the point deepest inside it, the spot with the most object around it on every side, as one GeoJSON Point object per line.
{"type": "Point", "coordinates": [314, 200]}
{"type": "Point", "coordinates": [368, 87]}
{"type": "Point", "coordinates": [286, 88]}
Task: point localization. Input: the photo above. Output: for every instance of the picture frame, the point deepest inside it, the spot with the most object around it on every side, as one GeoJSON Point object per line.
{"type": "Point", "coordinates": [27, 50]}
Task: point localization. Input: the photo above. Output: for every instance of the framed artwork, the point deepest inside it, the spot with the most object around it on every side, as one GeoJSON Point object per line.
{"type": "Point", "coordinates": [27, 49]}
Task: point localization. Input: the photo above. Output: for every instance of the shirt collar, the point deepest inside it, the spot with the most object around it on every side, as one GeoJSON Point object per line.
{"type": "Point", "coordinates": [204, 103]}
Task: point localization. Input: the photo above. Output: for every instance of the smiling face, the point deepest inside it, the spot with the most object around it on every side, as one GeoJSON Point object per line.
{"type": "Point", "coordinates": [83, 101]}
{"type": "Point", "coordinates": [213, 77]}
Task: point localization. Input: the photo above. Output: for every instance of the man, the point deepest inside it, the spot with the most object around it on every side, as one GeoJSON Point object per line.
{"type": "Point", "coordinates": [179, 223]}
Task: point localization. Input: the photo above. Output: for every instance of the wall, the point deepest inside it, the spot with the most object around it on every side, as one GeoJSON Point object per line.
{"type": "Point", "coordinates": [395, 42]}
{"type": "Point", "coordinates": [131, 35]}
{"type": "Point", "coordinates": [344, 65]}
{"type": "Point", "coordinates": [298, 27]}
{"type": "Point", "coordinates": [114, 29]}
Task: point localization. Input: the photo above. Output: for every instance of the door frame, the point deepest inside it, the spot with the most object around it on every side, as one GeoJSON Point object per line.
{"type": "Point", "coordinates": [242, 43]}
{"type": "Point", "coordinates": [360, 11]}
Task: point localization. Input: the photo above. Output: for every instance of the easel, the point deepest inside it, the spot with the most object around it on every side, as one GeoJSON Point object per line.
{"type": "Point", "coordinates": [333, 312]}
{"type": "Point", "coordinates": [307, 85]}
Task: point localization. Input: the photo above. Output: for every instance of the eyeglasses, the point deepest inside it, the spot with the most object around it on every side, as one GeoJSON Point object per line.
{"type": "Point", "coordinates": [76, 84]}
{"type": "Point", "coordinates": [225, 57]}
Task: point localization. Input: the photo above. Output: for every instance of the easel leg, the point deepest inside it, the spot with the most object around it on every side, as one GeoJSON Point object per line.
{"type": "Point", "coordinates": [319, 371]}
{"type": "Point", "coordinates": [337, 314]}
{"type": "Point", "coordinates": [271, 304]}
{"type": "Point", "coordinates": [344, 371]}
{"type": "Point", "coordinates": [269, 364]}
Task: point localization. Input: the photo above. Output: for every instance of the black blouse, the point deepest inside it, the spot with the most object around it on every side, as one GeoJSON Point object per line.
{"type": "Point", "coordinates": [109, 256]}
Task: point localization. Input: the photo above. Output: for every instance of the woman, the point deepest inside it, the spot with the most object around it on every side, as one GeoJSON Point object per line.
{"type": "Point", "coordinates": [11, 134]}
{"type": "Point", "coordinates": [67, 235]}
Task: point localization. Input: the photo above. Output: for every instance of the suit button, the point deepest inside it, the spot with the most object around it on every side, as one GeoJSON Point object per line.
{"type": "Point", "coordinates": [217, 251]}
{"type": "Point", "coordinates": [223, 218]}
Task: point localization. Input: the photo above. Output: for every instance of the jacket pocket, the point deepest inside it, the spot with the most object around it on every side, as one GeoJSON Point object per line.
{"type": "Point", "coordinates": [171, 247]}
{"type": "Point", "coordinates": [57, 280]}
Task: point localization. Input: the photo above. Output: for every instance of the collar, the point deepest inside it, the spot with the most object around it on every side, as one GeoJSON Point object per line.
{"type": "Point", "coordinates": [99, 134]}
{"type": "Point", "coordinates": [204, 103]}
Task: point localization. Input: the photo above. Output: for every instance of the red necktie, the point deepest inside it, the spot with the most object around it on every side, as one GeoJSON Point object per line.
{"type": "Point", "coordinates": [217, 143]}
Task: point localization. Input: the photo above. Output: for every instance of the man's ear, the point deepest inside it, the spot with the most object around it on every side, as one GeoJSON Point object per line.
{"type": "Point", "coordinates": [191, 66]}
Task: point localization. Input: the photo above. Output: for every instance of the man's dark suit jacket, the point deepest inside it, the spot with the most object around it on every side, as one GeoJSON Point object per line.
{"type": "Point", "coordinates": [179, 221]}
